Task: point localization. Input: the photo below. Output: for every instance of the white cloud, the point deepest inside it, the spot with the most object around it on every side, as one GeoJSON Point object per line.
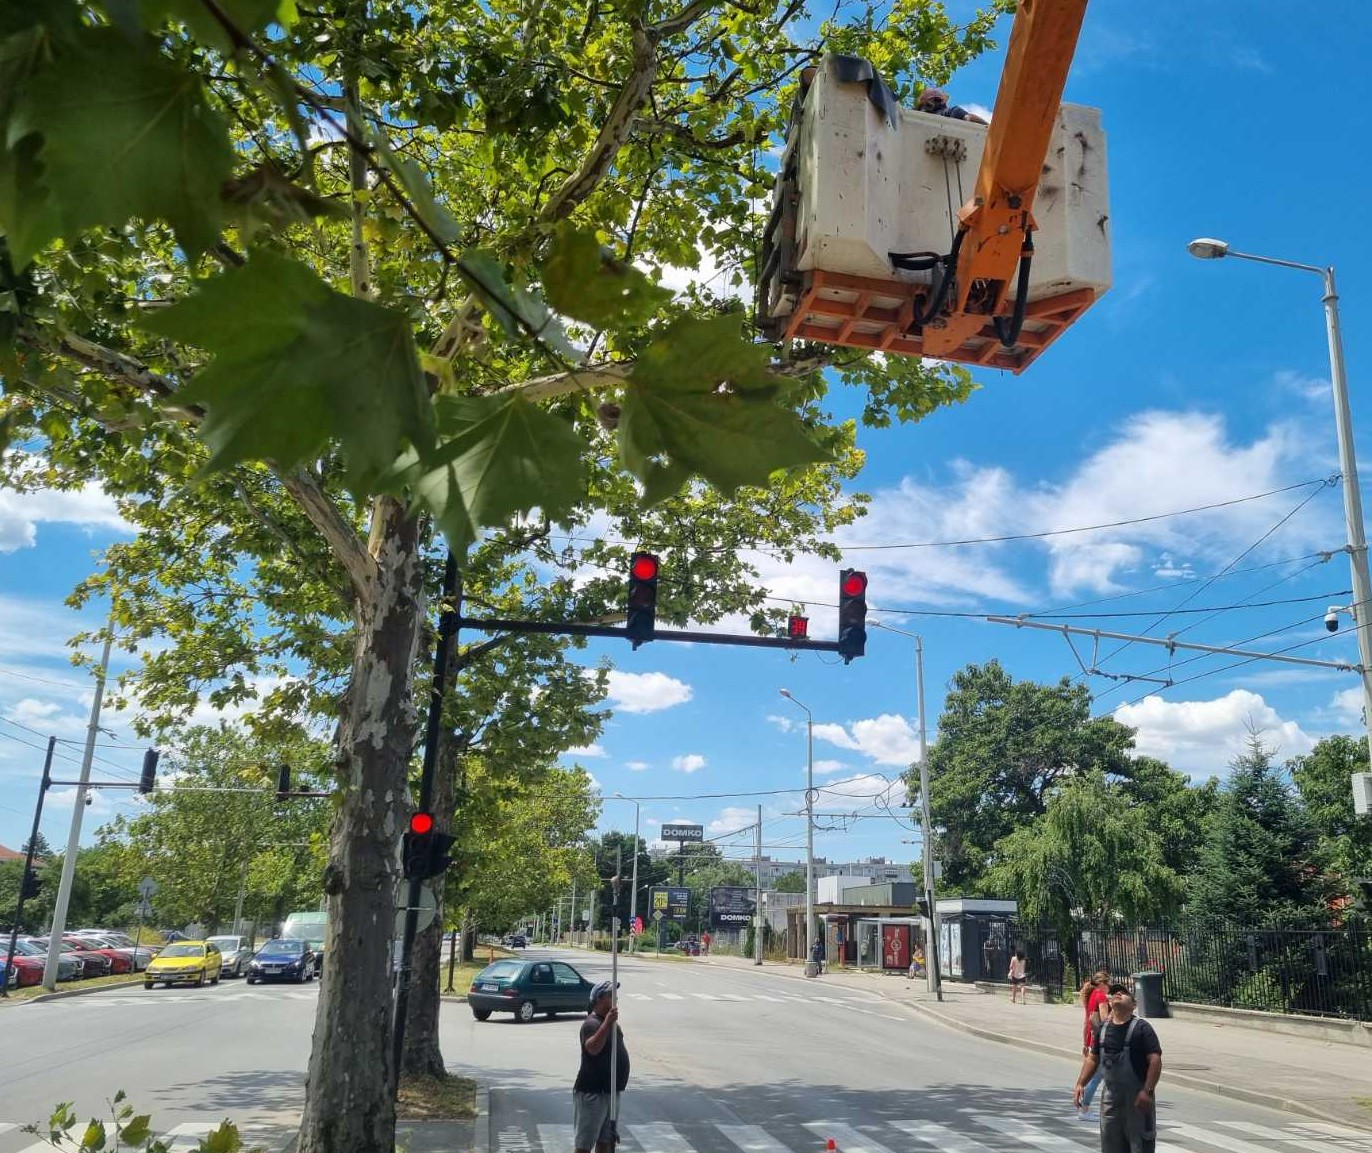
{"type": "Point", "coordinates": [868, 792]}
{"type": "Point", "coordinates": [1347, 706]}
{"type": "Point", "coordinates": [888, 739]}
{"type": "Point", "coordinates": [825, 768]}
{"type": "Point", "coordinates": [688, 763]}
{"type": "Point", "coordinates": [637, 766]}
{"type": "Point", "coordinates": [646, 692]}
{"type": "Point", "coordinates": [88, 507]}
{"type": "Point", "coordinates": [731, 819]}
{"type": "Point", "coordinates": [585, 751]}
{"type": "Point", "coordinates": [1204, 736]}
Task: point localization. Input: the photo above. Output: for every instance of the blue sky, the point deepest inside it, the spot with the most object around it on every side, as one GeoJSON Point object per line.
{"type": "Point", "coordinates": [1190, 384]}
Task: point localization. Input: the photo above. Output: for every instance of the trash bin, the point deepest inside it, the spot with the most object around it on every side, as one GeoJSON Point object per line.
{"type": "Point", "coordinates": [1148, 994]}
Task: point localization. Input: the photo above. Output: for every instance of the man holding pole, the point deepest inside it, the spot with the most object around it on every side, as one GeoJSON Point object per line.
{"type": "Point", "coordinates": [604, 1068]}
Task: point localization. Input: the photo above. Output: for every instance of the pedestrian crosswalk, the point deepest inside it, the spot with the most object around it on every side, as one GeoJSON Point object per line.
{"type": "Point", "coordinates": [964, 1133]}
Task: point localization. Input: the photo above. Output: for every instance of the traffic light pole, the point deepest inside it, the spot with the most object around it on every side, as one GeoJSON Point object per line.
{"type": "Point", "coordinates": [449, 622]}
{"type": "Point", "coordinates": [28, 866]}
{"type": "Point", "coordinates": [573, 629]}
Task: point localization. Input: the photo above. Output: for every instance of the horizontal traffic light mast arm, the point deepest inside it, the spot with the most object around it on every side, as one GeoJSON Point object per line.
{"type": "Point", "coordinates": [186, 788]}
{"type": "Point", "coordinates": [568, 628]}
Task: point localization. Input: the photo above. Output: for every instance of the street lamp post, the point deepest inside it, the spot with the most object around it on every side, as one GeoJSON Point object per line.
{"type": "Point", "coordinates": [633, 892]}
{"type": "Point", "coordinates": [809, 826]}
{"type": "Point", "coordinates": [1209, 249]}
{"type": "Point", "coordinates": [932, 973]}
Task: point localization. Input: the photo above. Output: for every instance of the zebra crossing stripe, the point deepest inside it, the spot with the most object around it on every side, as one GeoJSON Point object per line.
{"type": "Point", "coordinates": [1330, 1130]}
{"type": "Point", "coordinates": [752, 1139]}
{"type": "Point", "coordinates": [6, 1126]}
{"type": "Point", "coordinates": [555, 1138]}
{"type": "Point", "coordinates": [940, 1136]}
{"type": "Point", "coordinates": [659, 1137]}
{"type": "Point", "coordinates": [849, 1139]}
{"type": "Point", "coordinates": [671, 996]}
{"type": "Point", "coordinates": [1033, 1135]}
{"type": "Point", "coordinates": [1255, 1130]}
{"type": "Point", "coordinates": [1209, 1137]}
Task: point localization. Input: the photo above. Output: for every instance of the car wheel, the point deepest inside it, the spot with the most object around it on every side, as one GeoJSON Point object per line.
{"type": "Point", "coordinates": [251, 981]}
{"type": "Point", "coordinates": [526, 1010]}
{"type": "Point", "coordinates": [147, 984]}
{"type": "Point", "coordinates": [481, 1014]}
{"type": "Point", "coordinates": [200, 980]}
{"type": "Point", "coordinates": [215, 979]}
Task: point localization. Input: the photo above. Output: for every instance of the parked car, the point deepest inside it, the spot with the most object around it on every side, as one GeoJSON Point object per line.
{"type": "Point", "coordinates": [94, 964]}
{"type": "Point", "coordinates": [235, 952]}
{"type": "Point", "coordinates": [517, 941]}
{"type": "Point", "coordinates": [138, 954]}
{"type": "Point", "coordinates": [527, 988]}
{"type": "Point", "coordinates": [283, 960]}
{"type": "Point", "coordinates": [27, 970]}
{"type": "Point", "coordinates": [8, 976]}
{"type": "Point", "coordinates": [120, 962]}
{"type": "Point", "coordinates": [69, 967]}
{"type": "Point", "coordinates": [184, 961]}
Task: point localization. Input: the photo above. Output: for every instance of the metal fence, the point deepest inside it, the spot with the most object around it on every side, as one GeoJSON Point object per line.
{"type": "Point", "coordinates": [1325, 972]}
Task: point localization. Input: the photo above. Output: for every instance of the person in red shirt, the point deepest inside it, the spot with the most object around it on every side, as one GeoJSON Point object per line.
{"type": "Point", "coordinates": [1095, 1000]}
{"type": "Point", "coordinates": [705, 941]}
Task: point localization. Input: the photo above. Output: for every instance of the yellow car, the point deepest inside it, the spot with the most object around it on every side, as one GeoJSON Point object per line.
{"type": "Point", "coordinates": [184, 961]}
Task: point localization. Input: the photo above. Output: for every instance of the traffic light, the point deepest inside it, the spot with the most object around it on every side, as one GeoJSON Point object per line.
{"type": "Point", "coordinates": [797, 627]}
{"type": "Point", "coordinates": [643, 570]}
{"type": "Point", "coordinates": [425, 851]}
{"type": "Point", "coordinates": [852, 614]}
{"type": "Point", "coordinates": [31, 885]}
{"type": "Point", "coordinates": [283, 782]}
{"type": "Point", "coordinates": [148, 780]}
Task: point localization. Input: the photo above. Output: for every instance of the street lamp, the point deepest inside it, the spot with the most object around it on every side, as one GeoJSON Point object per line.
{"type": "Point", "coordinates": [1207, 248]}
{"type": "Point", "coordinates": [932, 974]}
{"type": "Point", "coordinates": [809, 826]}
{"type": "Point", "coordinates": [633, 892]}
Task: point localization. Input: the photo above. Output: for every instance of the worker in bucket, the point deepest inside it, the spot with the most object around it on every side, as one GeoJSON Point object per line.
{"type": "Point", "coordinates": [935, 102]}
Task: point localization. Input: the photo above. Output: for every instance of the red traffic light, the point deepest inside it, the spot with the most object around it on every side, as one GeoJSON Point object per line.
{"type": "Point", "coordinates": [421, 823]}
{"type": "Point", "coordinates": [854, 584]}
{"type": "Point", "coordinates": [797, 627]}
{"type": "Point", "coordinates": [644, 566]}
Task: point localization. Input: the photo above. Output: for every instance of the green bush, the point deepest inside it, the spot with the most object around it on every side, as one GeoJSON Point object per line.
{"type": "Point", "coordinates": [126, 1130]}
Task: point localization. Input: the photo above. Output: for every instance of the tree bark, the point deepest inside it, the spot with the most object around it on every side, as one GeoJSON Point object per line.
{"type": "Point", "coordinates": [349, 1106]}
{"type": "Point", "coordinates": [422, 1054]}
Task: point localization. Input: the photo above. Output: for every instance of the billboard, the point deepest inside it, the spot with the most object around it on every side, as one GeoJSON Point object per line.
{"type": "Point", "coordinates": [732, 907]}
{"type": "Point", "coordinates": [683, 832]}
{"type": "Point", "coordinates": [671, 902]}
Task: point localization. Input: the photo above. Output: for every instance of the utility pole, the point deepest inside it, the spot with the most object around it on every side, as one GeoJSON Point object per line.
{"type": "Point", "coordinates": [28, 864]}
{"type": "Point", "coordinates": [932, 966]}
{"type": "Point", "coordinates": [572, 918]}
{"type": "Point", "coordinates": [809, 830]}
{"type": "Point", "coordinates": [59, 913]}
{"type": "Point", "coordinates": [758, 921]}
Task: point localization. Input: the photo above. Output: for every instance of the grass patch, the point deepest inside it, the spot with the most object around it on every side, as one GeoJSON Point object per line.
{"type": "Point", "coordinates": [446, 1098]}
{"type": "Point", "coordinates": [1365, 1102]}
{"type": "Point", "coordinates": [18, 996]}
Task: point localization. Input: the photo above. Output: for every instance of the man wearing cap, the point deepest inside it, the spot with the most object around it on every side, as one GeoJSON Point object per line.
{"type": "Point", "coordinates": [935, 102]}
{"type": "Point", "coordinates": [591, 1121]}
{"type": "Point", "coordinates": [1129, 1054]}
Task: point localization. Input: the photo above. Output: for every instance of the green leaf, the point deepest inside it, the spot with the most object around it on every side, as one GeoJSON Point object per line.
{"type": "Point", "coordinates": [419, 190]}
{"type": "Point", "coordinates": [586, 282]}
{"type": "Point", "coordinates": [498, 457]}
{"type": "Point", "coordinates": [519, 311]}
{"type": "Point", "coordinates": [246, 16]}
{"type": "Point", "coordinates": [119, 1096]}
{"type": "Point", "coordinates": [126, 133]}
{"type": "Point", "coordinates": [225, 1139]}
{"type": "Point", "coordinates": [93, 1139]}
{"type": "Point", "coordinates": [61, 1119]}
{"type": "Point", "coordinates": [295, 364]}
{"type": "Point", "coordinates": [701, 401]}
{"type": "Point", "coordinates": [137, 1131]}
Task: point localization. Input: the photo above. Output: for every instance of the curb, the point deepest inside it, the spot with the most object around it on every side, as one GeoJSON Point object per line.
{"type": "Point", "coordinates": [1185, 1080]}
{"type": "Point", "coordinates": [481, 1135]}
{"type": "Point", "coordinates": [62, 994]}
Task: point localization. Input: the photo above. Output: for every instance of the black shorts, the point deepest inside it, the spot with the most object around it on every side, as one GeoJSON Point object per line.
{"type": "Point", "coordinates": [1018, 980]}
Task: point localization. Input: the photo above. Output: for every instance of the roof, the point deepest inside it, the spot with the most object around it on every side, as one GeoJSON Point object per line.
{"type": "Point", "coordinates": [10, 854]}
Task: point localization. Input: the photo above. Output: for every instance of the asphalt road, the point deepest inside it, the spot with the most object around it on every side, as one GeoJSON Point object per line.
{"type": "Point", "coordinates": [724, 1061]}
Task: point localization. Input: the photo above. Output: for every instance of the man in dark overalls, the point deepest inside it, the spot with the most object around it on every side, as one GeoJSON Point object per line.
{"type": "Point", "coordinates": [1129, 1054]}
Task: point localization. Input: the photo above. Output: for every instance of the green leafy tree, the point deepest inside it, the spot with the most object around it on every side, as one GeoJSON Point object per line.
{"type": "Point", "coordinates": [651, 871]}
{"type": "Point", "coordinates": [41, 849]}
{"type": "Point", "coordinates": [1262, 861]}
{"type": "Point", "coordinates": [1094, 852]}
{"type": "Point", "coordinates": [1003, 746]}
{"type": "Point", "coordinates": [1178, 811]}
{"type": "Point", "coordinates": [305, 263]}
{"type": "Point", "coordinates": [1322, 778]}
{"type": "Point", "coordinates": [716, 874]}
{"type": "Point", "coordinates": [790, 883]}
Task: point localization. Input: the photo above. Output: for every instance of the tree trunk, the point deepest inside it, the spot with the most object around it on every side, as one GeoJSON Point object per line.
{"type": "Point", "coordinates": [422, 1053]}
{"type": "Point", "coordinates": [349, 1106]}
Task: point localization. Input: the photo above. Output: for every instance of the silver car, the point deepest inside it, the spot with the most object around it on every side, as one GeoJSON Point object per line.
{"type": "Point", "coordinates": [236, 951]}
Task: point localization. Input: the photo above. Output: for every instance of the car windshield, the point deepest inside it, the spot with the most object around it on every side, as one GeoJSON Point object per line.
{"type": "Point", "coordinates": [28, 949]}
{"type": "Point", "coordinates": [226, 944]}
{"type": "Point", "coordinates": [282, 949]}
{"type": "Point", "coordinates": [183, 951]}
{"type": "Point", "coordinates": [500, 971]}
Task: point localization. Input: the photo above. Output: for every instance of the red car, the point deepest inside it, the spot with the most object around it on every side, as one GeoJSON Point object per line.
{"type": "Point", "coordinates": [28, 970]}
{"type": "Point", "coordinates": [119, 962]}
{"type": "Point", "coordinates": [95, 964]}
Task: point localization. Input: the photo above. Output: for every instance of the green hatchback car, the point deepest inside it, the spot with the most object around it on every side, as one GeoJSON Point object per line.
{"type": "Point", "coordinates": [527, 988]}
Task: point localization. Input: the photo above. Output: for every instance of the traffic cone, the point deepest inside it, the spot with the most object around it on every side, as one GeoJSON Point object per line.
{"type": "Point", "coordinates": [831, 1146]}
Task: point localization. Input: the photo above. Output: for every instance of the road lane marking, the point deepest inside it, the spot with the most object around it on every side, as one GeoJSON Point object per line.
{"type": "Point", "coordinates": [940, 1136]}
{"type": "Point", "coordinates": [671, 996]}
{"type": "Point", "coordinates": [659, 1137]}
{"type": "Point", "coordinates": [6, 1126]}
{"type": "Point", "coordinates": [1206, 1137]}
{"type": "Point", "coordinates": [188, 1135]}
{"type": "Point", "coordinates": [1033, 1135]}
{"type": "Point", "coordinates": [775, 1001]}
{"type": "Point", "coordinates": [1331, 1130]}
{"type": "Point", "coordinates": [752, 1139]}
{"type": "Point", "coordinates": [849, 1139]}
{"type": "Point", "coordinates": [555, 1138]}
{"type": "Point", "coordinates": [636, 996]}
{"type": "Point", "coordinates": [1253, 1129]}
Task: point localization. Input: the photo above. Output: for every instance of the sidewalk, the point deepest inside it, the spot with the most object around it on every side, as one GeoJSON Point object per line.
{"type": "Point", "coordinates": [1324, 1080]}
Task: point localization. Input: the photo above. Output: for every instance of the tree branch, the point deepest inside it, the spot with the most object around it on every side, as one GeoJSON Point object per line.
{"type": "Point", "coordinates": [341, 536]}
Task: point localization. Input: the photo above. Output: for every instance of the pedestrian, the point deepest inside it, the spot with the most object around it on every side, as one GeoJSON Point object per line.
{"type": "Point", "coordinates": [1129, 1053]}
{"type": "Point", "coordinates": [1018, 974]}
{"type": "Point", "coordinates": [916, 962]}
{"type": "Point", "coordinates": [705, 941]}
{"type": "Point", "coordinates": [817, 954]}
{"type": "Point", "coordinates": [592, 1123]}
{"type": "Point", "coordinates": [1095, 1003]}
{"type": "Point", "coordinates": [935, 102]}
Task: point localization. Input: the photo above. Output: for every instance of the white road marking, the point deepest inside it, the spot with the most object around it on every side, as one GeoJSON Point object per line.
{"type": "Point", "coordinates": [1033, 1135]}
{"type": "Point", "coordinates": [659, 1137]}
{"type": "Point", "coordinates": [940, 1136]}
{"type": "Point", "coordinates": [752, 1139]}
{"type": "Point", "coordinates": [1331, 1130]}
{"type": "Point", "coordinates": [187, 1136]}
{"type": "Point", "coordinates": [1253, 1129]}
{"type": "Point", "coordinates": [849, 1139]}
{"type": "Point", "coordinates": [6, 1126]}
{"type": "Point", "coordinates": [672, 997]}
{"type": "Point", "coordinates": [555, 1138]}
